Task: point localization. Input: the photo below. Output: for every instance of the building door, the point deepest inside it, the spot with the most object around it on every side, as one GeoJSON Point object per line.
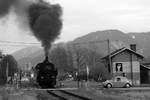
{"type": "Point", "coordinates": [144, 75]}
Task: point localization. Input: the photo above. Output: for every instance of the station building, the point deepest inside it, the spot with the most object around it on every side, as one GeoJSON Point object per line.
{"type": "Point", "coordinates": [128, 63]}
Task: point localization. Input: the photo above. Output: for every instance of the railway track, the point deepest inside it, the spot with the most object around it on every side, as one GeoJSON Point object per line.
{"type": "Point", "coordinates": [65, 95]}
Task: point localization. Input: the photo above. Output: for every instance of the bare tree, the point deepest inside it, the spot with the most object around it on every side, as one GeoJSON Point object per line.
{"type": "Point", "coordinates": [8, 66]}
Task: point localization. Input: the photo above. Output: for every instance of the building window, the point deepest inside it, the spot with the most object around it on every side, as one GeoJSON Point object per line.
{"type": "Point", "coordinates": [119, 67]}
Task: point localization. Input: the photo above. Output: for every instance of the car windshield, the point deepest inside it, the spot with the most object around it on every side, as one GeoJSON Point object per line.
{"type": "Point", "coordinates": [118, 79]}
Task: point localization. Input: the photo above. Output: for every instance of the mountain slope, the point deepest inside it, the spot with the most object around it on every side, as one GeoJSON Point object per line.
{"type": "Point", "coordinates": [117, 39]}
{"type": "Point", "coordinates": [25, 52]}
{"type": "Point", "coordinates": [112, 35]}
{"type": "Point", "coordinates": [143, 40]}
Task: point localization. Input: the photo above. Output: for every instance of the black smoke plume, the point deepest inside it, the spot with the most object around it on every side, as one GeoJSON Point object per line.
{"type": "Point", "coordinates": [45, 22]}
{"type": "Point", "coordinates": [5, 6]}
{"type": "Point", "coordinates": [43, 19]}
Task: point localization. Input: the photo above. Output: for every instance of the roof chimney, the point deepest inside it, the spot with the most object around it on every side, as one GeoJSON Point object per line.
{"type": "Point", "coordinates": [133, 47]}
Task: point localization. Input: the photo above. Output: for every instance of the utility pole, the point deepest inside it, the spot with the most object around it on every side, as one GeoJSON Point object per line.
{"type": "Point", "coordinates": [87, 73]}
{"type": "Point", "coordinates": [75, 62]}
{"type": "Point", "coordinates": [78, 76]}
{"type": "Point", "coordinates": [7, 71]}
{"type": "Point", "coordinates": [109, 58]}
{"type": "Point", "coordinates": [131, 62]}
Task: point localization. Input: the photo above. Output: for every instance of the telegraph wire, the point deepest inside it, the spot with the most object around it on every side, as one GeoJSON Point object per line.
{"type": "Point", "coordinates": [89, 42]}
{"type": "Point", "coordinates": [17, 42]}
{"type": "Point", "coordinates": [12, 43]}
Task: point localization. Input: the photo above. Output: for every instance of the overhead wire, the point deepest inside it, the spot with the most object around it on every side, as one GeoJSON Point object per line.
{"type": "Point", "coordinates": [17, 42]}
{"type": "Point", "coordinates": [12, 43]}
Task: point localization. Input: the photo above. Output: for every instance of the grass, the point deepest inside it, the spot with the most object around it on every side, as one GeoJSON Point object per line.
{"type": "Point", "coordinates": [91, 90]}
{"type": "Point", "coordinates": [96, 92]}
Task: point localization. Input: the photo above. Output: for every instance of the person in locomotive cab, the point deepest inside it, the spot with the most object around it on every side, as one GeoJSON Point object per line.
{"type": "Point", "coordinates": [46, 74]}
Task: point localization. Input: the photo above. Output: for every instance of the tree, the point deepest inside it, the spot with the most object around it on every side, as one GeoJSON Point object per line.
{"type": "Point", "coordinates": [59, 57]}
{"type": "Point", "coordinates": [99, 72]}
{"type": "Point", "coordinates": [8, 62]}
{"type": "Point", "coordinates": [87, 55]}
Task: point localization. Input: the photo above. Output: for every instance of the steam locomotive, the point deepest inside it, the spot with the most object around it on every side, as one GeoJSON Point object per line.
{"type": "Point", "coordinates": [46, 74]}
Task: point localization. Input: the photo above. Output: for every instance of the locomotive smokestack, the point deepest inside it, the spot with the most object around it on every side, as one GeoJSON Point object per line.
{"type": "Point", "coordinates": [46, 59]}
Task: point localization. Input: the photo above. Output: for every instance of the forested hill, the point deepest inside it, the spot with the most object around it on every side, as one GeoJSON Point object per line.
{"type": "Point", "coordinates": [64, 54]}
{"type": "Point", "coordinates": [117, 39]}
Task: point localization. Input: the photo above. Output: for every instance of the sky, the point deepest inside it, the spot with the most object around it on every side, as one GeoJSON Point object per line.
{"type": "Point", "coordinates": [84, 16]}
{"type": "Point", "coordinates": [81, 17]}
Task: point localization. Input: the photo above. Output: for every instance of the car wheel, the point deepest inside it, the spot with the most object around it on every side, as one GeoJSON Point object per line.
{"type": "Point", "coordinates": [109, 85]}
{"type": "Point", "coordinates": [127, 85]}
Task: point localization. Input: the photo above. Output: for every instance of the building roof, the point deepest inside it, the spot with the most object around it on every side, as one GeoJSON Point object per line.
{"type": "Point", "coordinates": [120, 51]}
{"type": "Point", "coordinates": [145, 66]}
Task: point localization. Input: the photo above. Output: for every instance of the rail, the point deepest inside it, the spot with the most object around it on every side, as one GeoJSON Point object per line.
{"type": "Point", "coordinates": [63, 95]}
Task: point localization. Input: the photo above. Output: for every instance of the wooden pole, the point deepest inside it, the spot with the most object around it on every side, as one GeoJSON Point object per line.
{"type": "Point", "coordinates": [7, 71]}
{"type": "Point", "coordinates": [109, 59]}
{"type": "Point", "coordinates": [131, 62]}
{"type": "Point", "coordinates": [87, 71]}
{"type": "Point", "coordinates": [76, 62]}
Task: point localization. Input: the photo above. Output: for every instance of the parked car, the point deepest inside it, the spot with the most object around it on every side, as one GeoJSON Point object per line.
{"type": "Point", "coordinates": [118, 81]}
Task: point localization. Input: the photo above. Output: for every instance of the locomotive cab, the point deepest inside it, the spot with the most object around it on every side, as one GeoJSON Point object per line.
{"type": "Point", "coordinates": [46, 74]}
